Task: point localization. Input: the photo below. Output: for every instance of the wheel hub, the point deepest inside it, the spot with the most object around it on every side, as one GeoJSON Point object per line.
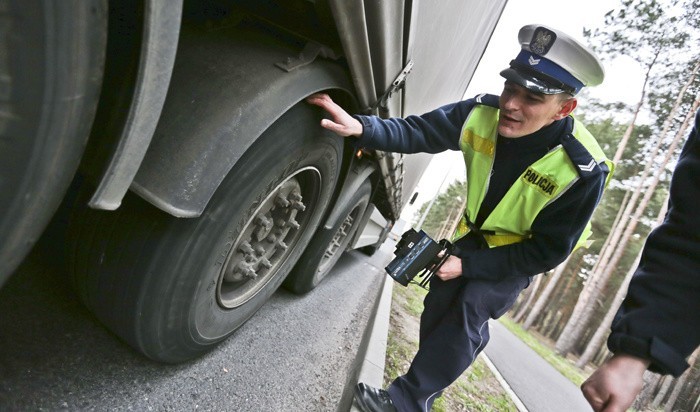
{"type": "Point", "coordinates": [263, 243]}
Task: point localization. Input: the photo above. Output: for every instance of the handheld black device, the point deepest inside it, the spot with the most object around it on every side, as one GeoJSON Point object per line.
{"type": "Point", "coordinates": [416, 252]}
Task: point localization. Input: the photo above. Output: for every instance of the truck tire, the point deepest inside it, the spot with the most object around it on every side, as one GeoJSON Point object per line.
{"type": "Point", "coordinates": [328, 245]}
{"type": "Point", "coordinates": [51, 66]}
{"type": "Point", "coordinates": [173, 288]}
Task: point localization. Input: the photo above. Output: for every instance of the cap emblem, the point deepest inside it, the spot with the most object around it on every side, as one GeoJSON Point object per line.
{"type": "Point", "coordinates": [533, 61]}
{"type": "Point", "coordinates": [551, 62]}
{"type": "Point", "coordinates": [542, 41]}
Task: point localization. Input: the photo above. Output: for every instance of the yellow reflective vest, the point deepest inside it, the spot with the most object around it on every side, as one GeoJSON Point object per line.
{"type": "Point", "coordinates": [542, 183]}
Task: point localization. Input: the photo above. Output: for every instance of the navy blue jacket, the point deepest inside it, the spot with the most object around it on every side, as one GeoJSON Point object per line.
{"type": "Point", "coordinates": [660, 317]}
{"type": "Point", "coordinates": [558, 226]}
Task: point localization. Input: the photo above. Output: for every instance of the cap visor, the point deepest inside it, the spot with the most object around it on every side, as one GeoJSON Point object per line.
{"type": "Point", "coordinates": [530, 82]}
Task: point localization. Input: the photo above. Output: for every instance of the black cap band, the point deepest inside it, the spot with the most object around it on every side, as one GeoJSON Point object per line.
{"type": "Point", "coordinates": [529, 71]}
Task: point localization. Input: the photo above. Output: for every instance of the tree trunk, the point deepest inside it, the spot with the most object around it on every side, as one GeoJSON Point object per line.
{"type": "Point", "coordinates": [561, 297]}
{"type": "Point", "coordinates": [546, 293]}
{"type": "Point", "coordinates": [594, 286]}
{"type": "Point", "coordinates": [533, 292]}
{"type": "Point", "coordinates": [548, 326]}
{"type": "Point", "coordinates": [651, 386]}
{"type": "Point", "coordinates": [680, 382]}
{"type": "Point", "coordinates": [445, 229]}
{"type": "Point", "coordinates": [613, 228]}
{"type": "Point", "coordinates": [454, 221]}
{"type": "Point", "coordinates": [628, 133]}
{"type": "Point", "coordinates": [602, 331]}
{"type": "Point", "coordinates": [665, 386]}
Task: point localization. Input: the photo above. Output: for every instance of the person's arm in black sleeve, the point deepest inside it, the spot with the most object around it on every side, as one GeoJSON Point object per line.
{"type": "Point", "coordinates": [659, 318]}
{"type": "Point", "coordinates": [432, 132]}
{"type": "Point", "coordinates": [555, 232]}
{"type": "Point", "coordinates": [656, 326]}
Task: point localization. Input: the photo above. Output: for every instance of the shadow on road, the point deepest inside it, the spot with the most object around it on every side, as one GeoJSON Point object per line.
{"type": "Point", "coordinates": [294, 354]}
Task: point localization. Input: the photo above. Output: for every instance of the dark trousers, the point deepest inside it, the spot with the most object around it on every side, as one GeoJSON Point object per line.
{"type": "Point", "coordinates": [453, 331]}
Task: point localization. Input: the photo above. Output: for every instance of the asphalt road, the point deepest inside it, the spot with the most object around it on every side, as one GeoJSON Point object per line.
{"type": "Point", "coordinates": [539, 386]}
{"type": "Point", "coordinates": [296, 353]}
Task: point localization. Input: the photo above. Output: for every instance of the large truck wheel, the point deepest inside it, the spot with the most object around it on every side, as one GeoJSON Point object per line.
{"type": "Point", "coordinates": [51, 63]}
{"type": "Point", "coordinates": [329, 244]}
{"type": "Point", "coordinates": [173, 288]}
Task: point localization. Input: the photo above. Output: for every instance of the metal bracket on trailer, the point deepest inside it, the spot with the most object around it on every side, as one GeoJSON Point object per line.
{"type": "Point", "coordinates": [310, 52]}
{"type": "Point", "coordinates": [398, 84]}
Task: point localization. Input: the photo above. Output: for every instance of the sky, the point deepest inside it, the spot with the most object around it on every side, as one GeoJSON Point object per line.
{"type": "Point", "coordinates": [623, 78]}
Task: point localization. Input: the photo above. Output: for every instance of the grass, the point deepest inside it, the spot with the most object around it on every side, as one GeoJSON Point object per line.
{"type": "Point", "coordinates": [476, 390]}
{"type": "Point", "coordinates": [565, 366]}
{"type": "Point", "coordinates": [414, 297]}
{"type": "Point", "coordinates": [473, 393]}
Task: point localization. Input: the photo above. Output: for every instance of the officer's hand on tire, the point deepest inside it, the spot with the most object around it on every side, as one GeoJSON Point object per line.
{"type": "Point", "coordinates": [341, 122]}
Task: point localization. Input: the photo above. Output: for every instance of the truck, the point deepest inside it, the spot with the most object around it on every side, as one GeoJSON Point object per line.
{"type": "Point", "coordinates": [197, 179]}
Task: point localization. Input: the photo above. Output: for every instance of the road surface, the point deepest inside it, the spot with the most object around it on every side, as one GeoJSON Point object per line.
{"type": "Point", "coordinates": [539, 386]}
{"type": "Point", "coordinates": [296, 353]}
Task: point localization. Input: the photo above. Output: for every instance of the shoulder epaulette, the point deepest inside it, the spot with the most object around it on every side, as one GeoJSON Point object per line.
{"type": "Point", "coordinates": [580, 156]}
{"type": "Point", "coordinates": [487, 99]}
{"type": "Point", "coordinates": [584, 152]}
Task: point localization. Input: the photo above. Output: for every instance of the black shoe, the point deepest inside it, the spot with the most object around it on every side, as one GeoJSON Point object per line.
{"type": "Point", "coordinates": [371, 399]}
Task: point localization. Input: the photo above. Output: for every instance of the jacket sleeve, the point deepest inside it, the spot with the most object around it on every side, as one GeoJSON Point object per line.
{"type": "Point", "coordinates": [432, 132]}
{"type": "Point", "coordinates": [659, 318]}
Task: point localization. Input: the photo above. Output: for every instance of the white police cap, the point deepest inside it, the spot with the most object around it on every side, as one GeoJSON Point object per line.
{"type": "Point", "coordinates": [551, 62]}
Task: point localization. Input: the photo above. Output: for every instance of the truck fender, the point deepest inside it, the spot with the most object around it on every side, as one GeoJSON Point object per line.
{"type": "Point", "coordinates": [225, 92]}
{"type": "Point", "coordinates": [358, 173]}
{"type": "Point", "coordinates": [161, 28]}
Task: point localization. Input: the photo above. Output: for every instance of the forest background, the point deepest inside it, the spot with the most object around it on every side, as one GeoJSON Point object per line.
{"type": "Point", "coordinates": [572, 307]}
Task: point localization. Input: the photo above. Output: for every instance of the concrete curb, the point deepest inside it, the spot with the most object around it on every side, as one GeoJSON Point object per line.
{"type": "Point", "coordinates": [371, 370]}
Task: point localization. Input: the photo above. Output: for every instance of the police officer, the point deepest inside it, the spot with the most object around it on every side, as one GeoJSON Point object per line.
{"type": "Point", "coordinates": [534, 175]}
{"type": "Point", "coordinates": [656, 327]}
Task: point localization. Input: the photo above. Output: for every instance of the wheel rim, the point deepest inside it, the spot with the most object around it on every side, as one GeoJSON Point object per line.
{"type": "Point", "coordinates": [268, 237]}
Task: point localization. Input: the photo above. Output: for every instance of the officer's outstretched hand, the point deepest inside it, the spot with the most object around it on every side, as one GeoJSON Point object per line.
{"type": "Point", "coordinates": [452, 268]}
{"type": "Point", "coordinates": [613, 387]}
{"type": "Point", "coordinates": [340, 122]}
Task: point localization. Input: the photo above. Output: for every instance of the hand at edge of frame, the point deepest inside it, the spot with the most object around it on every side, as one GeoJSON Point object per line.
{"type": "Point", "coordinates": [615, 384]}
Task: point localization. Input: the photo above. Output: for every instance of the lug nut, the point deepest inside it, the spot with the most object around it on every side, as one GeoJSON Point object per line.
{"type": "Point", "coordinates": [246, 270]}
{"type": "Point", "coordinates": [246, 248]}
{"type": "Point", "coordinates": [281, 201]}
{"type": "Point", "coordinates": [263, 221]}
